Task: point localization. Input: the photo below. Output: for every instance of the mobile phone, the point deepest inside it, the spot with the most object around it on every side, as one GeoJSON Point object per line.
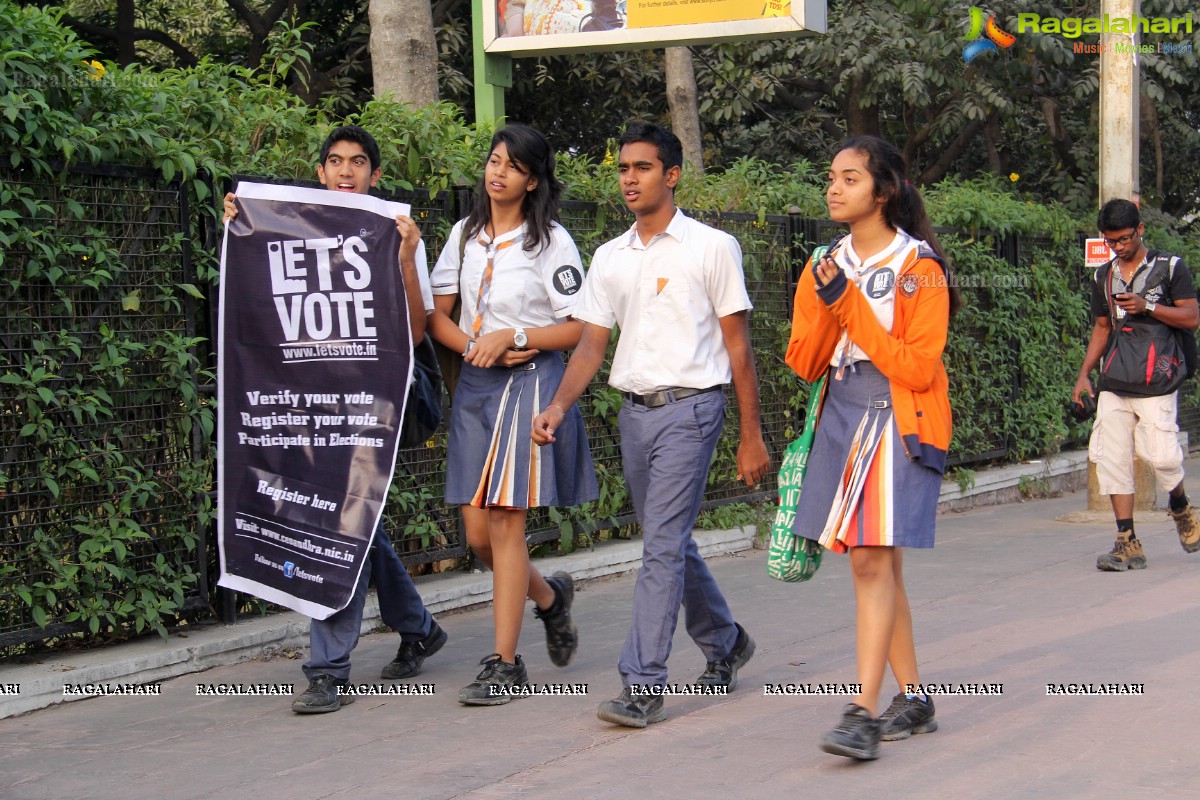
{"type": "Point", "coordinates": [831, 249]}
{"type": "Point", "coordinates": [826, 252]}
{"type": "Point", "coordinates": [1119, 295]}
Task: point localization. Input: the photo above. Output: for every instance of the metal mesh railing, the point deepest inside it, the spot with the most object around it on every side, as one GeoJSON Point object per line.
{"type": "Point", "coordinates": [94, 421]}
{"type": "Point", "coordinates": [142, 230]}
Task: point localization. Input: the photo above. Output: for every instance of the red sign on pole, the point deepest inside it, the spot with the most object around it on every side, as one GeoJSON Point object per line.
{"type": "Point", "coordinates": [1096, 253]}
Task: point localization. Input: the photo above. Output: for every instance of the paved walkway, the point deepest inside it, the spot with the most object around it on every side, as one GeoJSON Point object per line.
{"type": "Point", "coordinates": [1009, 596]}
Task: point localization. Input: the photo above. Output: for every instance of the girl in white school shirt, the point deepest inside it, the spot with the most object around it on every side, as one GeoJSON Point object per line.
{"type": "Point", "coordinates": [519, 275]}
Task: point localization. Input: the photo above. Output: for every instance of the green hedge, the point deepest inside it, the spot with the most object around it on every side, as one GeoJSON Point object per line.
{"type": "Point", "coordinates": [1014, 349]}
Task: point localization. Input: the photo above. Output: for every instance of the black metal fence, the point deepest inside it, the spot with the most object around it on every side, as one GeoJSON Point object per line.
{"type": "Point", "coordinates": [91, 326]}
{"type": "Point", "coordinates": [152, 228]}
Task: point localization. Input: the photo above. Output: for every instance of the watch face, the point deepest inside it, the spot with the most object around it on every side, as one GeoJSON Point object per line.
{"type": "Point", "coordinates": [520, 339]}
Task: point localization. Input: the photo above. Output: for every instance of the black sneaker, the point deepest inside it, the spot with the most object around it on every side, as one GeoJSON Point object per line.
{"type": "Point", "coordinates": [411, 655]}
{"type": "Point", "coordinates": [562, 637]}
{"type": "Point", "coordinates": [633, 710]}
{"type": "Point", "coordinates": [724, 672]}
{"type": "Point", "coordinates": [322, 696]}
{"type": "Point", "coordinates": [495, 684]}
{"type": "Point", "coordinates": [906, 716]}
{"type": "Point", "coordinates": [856, 736]}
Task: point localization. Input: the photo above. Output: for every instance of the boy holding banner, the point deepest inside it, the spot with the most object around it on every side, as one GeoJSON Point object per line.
{"type": "Point", "coordinates": [350, 162]}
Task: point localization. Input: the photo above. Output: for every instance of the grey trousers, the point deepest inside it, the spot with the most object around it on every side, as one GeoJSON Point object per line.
{"type": "Point", "coordinates": [666, 453]}
{"type": "Point", "coordinates": [331, 639]}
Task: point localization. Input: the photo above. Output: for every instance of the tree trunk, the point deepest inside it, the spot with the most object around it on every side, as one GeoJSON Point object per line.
{"type": "Point", "coordinates": [403, 50]}
{"type": "Point", "coordinates": [1152, 131]}
{"type": "Point", "coordinates": [1060, 138]}
{"type": "Point", "coordinates": [861, 120]}
{"type": "Point", "coordinates": [126, 43]}
{"type": "Point", "coordinates": [684, 104]}
{"type": "Point", "coordinates": [992, 137]}
{"type": "Point", "coordinates": [937, 170]}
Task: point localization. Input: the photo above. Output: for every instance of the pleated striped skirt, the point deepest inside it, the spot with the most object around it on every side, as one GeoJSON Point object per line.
{"type": "Point", "coordinates": [492, 461]}
{"type": "Point", "coordinates": [860, 488]}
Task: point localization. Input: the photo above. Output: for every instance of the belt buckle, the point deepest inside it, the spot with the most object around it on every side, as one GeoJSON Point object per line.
{"type": "Point", "coordinates": [655, 399]}
{"type": "Point", "coordinates": [880, 404]}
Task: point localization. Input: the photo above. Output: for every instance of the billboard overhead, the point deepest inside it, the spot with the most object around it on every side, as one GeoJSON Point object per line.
{"type": "Point", "coordinates": [547, 27]}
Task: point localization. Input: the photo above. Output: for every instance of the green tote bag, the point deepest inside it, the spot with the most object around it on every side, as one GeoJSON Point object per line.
{"type": "Point", "coordinates": [792, 558]}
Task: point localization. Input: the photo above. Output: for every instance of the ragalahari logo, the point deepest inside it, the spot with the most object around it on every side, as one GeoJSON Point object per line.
{"type": "Point", "coordinates": [996, 38]}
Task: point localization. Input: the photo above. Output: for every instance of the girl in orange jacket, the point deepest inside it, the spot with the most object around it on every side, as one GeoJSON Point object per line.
{"type": "Point", "coordinates": [874, 313]}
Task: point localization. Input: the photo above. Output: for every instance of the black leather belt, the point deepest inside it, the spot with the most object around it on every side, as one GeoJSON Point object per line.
{"type": "Point", "coordinates": [656, 399]}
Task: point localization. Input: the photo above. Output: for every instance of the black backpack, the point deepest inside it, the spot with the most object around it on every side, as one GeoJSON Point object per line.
{"type": "Point", "coordinates": [1185, 339]}
{"type": "Point", "coordinates": [423, 411]}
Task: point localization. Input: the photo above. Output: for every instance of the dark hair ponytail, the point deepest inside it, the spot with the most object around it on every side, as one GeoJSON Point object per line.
{"type": "Point", "coordinates": [904, 208]}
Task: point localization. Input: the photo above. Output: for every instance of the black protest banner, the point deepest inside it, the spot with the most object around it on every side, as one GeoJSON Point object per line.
{"type": "Point", "coordinates": [314, 358]}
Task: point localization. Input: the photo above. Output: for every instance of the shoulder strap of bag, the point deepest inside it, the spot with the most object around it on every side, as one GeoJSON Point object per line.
{"type": "Point", "coordinates": [1155, 262]}
{"type": "Point", "coordinates": [1108, 291]}
{"type": "Point", "coordinates": [925, 251]}
{"type": "Point", "coordinates": [456, 312]}
{"type": "Point", "coordinates": [1162, 258]}
{"type": "Point", "coordinates": [450, 362]}
{"type": "Point", "coordinates": [1156, 259]}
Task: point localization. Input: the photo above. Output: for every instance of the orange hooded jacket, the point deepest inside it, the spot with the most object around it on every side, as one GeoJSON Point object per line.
{"type": "Point", "coordinates": [910, 356]}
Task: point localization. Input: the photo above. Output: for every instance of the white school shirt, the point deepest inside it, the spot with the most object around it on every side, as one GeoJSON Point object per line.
{"type": "Point", "coordinates": [667, 296]}
{"type": "Point", "coordinates": [529, 289]}
{"type": "Point", "coordinates": [876, 279]}
{"type": "Point", "coordinates": [423, 277]}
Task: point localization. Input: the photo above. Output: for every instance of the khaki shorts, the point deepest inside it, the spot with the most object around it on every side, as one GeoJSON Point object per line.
{"type": "Point", "coordinates": [1146, 425]}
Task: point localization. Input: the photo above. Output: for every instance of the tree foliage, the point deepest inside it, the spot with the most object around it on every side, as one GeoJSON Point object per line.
{"type": "Point", "coordinates": [95, 526]}
{"type": "Point", "coordinates": [892, 67]}
{"type": "Point", "coordinates": [97, 395]}
{"type": "Point", "coordinates": [60, 105]}
{"type": "Point", "coordinates": [179, 33]}
{"type": "Point", "coordinates": [896, 68]}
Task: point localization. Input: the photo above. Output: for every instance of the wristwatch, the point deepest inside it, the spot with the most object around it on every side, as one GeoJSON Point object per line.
{"type": "Point", "coordinates": [1150, 306]}
{"type": "Point", "coordinates": [519, 338]}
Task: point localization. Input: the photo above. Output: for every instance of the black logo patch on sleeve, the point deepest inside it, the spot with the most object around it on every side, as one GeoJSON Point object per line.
{"type": "Point", "coordinates": [568, 279]}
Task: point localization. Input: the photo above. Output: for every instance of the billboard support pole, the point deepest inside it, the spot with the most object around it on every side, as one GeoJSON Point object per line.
{"type": "Point", "coordinates": [1119, 101]}
{"type": "Point", "coordinates": [492, 71]}
{"type": "Point", "coordinates": [1119, 159]}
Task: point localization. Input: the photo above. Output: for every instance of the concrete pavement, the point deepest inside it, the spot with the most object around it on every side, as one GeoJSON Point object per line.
{"type": "Point", "coordinates": [1009, 596]}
